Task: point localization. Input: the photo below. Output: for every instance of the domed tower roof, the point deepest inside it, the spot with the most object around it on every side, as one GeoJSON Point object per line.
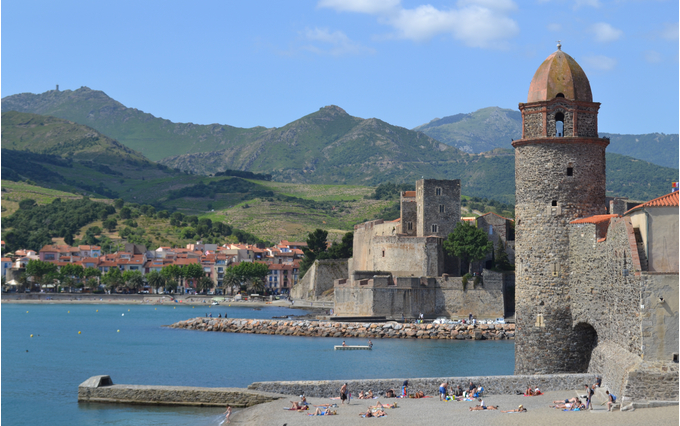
{"type": "Point", "coordinates": [560, 74]}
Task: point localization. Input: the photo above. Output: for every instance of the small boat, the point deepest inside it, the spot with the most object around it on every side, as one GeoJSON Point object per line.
{"type": "Point", "coordinates": [353, 348]}
{"type": "Point", "coordinates": [215, 303]}
{"type": "Point", "coordinates": [281, 317]}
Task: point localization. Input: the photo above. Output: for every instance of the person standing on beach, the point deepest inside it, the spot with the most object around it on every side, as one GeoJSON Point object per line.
{"type": "Point", "coordinates": [343, 394]}
{"type": "Point", "coordinates": [228, 414]}
{"type": "Point", "coordinates": [442, 391]}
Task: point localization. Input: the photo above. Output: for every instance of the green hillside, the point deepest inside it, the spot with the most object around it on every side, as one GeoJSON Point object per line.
{"type": "Point", "coordinates": [55, 136]}
{"type": "Point", "coordinates": [657, 148]}
{"type": "Point", "coordinates": [479, 131]}
{"type": "Point", "coordinates": [154, 137]}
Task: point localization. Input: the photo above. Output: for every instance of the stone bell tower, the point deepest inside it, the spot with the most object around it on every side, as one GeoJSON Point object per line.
{"type": "Point", "coordinates": [559, 177]}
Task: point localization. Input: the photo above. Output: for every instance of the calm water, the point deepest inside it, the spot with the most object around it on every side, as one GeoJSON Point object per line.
{"type": "Point", "coordinates": [40, 375]}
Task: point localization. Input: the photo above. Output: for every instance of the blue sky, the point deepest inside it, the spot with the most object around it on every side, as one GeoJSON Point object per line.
{"type": "Point", "coordinates": [405, 62]}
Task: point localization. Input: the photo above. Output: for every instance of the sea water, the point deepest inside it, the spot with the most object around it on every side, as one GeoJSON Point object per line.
{"type": "Point", "coordinates": [41, 374]}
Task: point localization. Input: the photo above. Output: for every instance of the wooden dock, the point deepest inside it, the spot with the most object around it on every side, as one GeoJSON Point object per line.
{"type": "Point", "coordinates": [352, 348]}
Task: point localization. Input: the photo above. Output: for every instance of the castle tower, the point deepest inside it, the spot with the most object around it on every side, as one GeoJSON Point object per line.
{"type": "Point", "coordinates": [559, 176]}
{"type": "Point", "coordinates": [438, 207]}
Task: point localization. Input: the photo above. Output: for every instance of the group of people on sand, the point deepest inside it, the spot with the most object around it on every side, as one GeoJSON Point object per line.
{"type": "Point", "coordinates": [531, 391]}
{"type": "Point", "coordinates": [585, 402]}
{"type": "Point", "coordinates": [448, 393]}
{"type": "Point", "coordinates": [366, 395]}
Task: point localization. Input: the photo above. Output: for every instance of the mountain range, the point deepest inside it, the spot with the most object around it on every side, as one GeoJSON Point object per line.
{"type": "Point", "coordinates": [328, 146]}
{"type": "Point", "coordinates": [490, 128]}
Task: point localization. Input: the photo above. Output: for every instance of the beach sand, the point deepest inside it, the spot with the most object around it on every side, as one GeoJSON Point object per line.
{"type": "Point", "coordinates": [432, 411]}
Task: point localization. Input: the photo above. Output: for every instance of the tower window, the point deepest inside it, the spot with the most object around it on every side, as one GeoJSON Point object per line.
{"type": "Point", "coordinates": [559, 95]}
{"type": "Point", "coordinates": [438, 191]}
{"type": "Point", "coordinates": [554, 203]}
{"type": "Point", "coordinates": [570, 171]}
{"type": "Point", "coordinates": [383, 253]}
{"type": "Point", "coordinates": [435, 228]}
{"type": "Point", "coordinates": [441, 208]}
{"type": "Point", "coordinates": [559, 124]}
{"type": "Point", "coordinates": [409, 226]}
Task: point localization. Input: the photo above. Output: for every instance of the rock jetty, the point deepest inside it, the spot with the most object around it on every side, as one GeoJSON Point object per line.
{"type": "Point", "coordinates": [351, 329]}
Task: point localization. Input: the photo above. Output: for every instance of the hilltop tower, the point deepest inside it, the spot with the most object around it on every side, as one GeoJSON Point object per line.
{"type": "Point", "coordinates": [559, 177]}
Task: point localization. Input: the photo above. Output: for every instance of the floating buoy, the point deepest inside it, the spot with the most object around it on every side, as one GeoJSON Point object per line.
{"type": "Point", "coordinates": [155, 309]}
{"type": "Point", "coordinates": [122, 315]}
{"type": "Point", "coordinates": [117, 331]}
{"type": "Point", "coordinates": [31, 335]}
{"type": "Point", "coordinates": [173, 307]}
{"type": "Point", "coordinates": [68, 312]}
{"type": "Point", "coordinates": [97, 310]}
{"type": "Point", "coordinates": [79, 332]}
{"type": "Point", "coordinates": [128, 310]}
{"type": "Point", "coordinates": [26, 311]}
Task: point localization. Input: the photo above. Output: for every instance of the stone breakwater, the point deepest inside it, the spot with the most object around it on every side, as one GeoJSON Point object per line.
{"type": "Point", "coordinates": [351, 329]}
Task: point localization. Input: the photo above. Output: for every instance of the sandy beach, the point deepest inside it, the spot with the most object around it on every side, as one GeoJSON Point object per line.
{"type": "Point", "coordinates": [432, 411]}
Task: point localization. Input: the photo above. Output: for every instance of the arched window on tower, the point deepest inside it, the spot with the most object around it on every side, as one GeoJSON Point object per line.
{"type": "Point", "coordinates": [559, 124]}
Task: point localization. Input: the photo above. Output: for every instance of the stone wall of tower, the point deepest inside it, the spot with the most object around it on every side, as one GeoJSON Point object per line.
{"type": "Point", "coordinates": [409, 215]}
{"type": "Point", "coordinates": [438, 204]}
{"type": "Point", "coordinates": [547, 199]}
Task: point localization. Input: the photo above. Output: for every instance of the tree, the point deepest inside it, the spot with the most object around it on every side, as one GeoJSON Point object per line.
{"type": "Point", "coordinates": [39, 269]}
{"type": "Point", "coordinates": [71, 271]}
{"type": "Point", "coordinates": [113, 278]}
{"type": "Point", "coordinates": [230, 280]}
{"type": "Point", "coordinates": [193, 271]}
{"type": "Point", "coordinates": [204, 284]}
{"type": "Point", "coordinates": [257, 285]}
{"type": "Point", "coordinates": [125, 213]}
{"type": "Point", "coordinates": [91, 272]}
{"type": "Point", "coordinates": [317, 245]}
{"type": "Point", "coordinates": [133, 279]}
{"type": "Point", "coordinates": [110, 224]}
{"type": "Point", "coordinates": [26, 204]}
{"type": "Point", "coordinates": [468, 243]}
{"type": "Point", "coordinates": [119, 203]}
{"type": "Point", "coordinates": [171, 285]}
{"type": "Point", "coordinates": [344, 249]}
{"type": "Point", "coordinates": [501, 260]}
{"type": "Point", "coordinates": [92, 284]}
{"type": "Point", "coordinates": [155, 280]}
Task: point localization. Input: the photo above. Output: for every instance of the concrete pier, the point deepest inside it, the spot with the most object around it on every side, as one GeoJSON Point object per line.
{"type": "Point", "coordinates": [102, 389]}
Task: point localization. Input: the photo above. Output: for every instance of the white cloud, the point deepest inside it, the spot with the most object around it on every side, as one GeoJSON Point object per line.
{"type": "Point", "coordinates": [670, 32]}
{"type": "Point", "coordinates": [652, 56]}
{"type": "Point", "coordinates": [335, 43]}
{"type": "Point", "coordinates": [477, 23]}
{"type": "Point", "coordinates": [554, 27]}
{"type": "Point", "coordinates": [600, 62]}
{"type": "Point", "coordinates": [371, 7]}
{"type": "Point", "coordinates": [605, 33]}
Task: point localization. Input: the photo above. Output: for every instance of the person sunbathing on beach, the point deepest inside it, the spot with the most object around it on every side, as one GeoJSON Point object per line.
{"type": "Point", "coordinates": [322, 411]}
{"type": "Point", "coordinates": [567, 401]}
{"type": "Point", "coordinates": [298, 406]}
{"type": "Point", "coordinates": [390, 393]}
{"type": "Point", "coordinates": [361, 395]}
{"type": "Point", "coordinates": [368, 413]}
{"type": "Point", "coordinates": [520, 409]}
{"type": "Point", "coordinates": [369, 395]}
{"type": "Point", "coordinates": [483, 407]}
{"type": "Point", "coordinates": [529, 391]}
{"type": "Point", "coordinates": [568, 405]}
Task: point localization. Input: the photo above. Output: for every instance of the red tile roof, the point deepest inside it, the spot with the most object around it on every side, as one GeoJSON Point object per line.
{"type": "Point", "coordinates": [597, 219]}
{"type": "Point", "coordinates": [668, 200]}
{"type": "Point", "coordinates": [409, 194]}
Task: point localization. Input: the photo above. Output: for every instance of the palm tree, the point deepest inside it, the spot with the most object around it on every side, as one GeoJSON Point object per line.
{"type": "Point", "coordinates": [155, 280]}
{"type": "Point", "coordinates": [257, 285]}
{"type": "Point", "coordinates": [204, 283]}
{"type": "Point", "coordinates": [230, 281]}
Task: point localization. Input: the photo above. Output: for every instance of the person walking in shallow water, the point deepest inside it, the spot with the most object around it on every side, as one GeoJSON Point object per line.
{"type": "Point", "coordinates": [228, 414]}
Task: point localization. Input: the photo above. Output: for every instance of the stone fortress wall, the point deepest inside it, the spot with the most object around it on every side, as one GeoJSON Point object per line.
{"type": "Point", "coordinates": [319, 279]}
{"type": "Point", "coordinates": [375, 293]}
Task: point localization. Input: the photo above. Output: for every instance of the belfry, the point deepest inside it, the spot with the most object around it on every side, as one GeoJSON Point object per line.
{"type": "Point", "coordinates": [559, 177]}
